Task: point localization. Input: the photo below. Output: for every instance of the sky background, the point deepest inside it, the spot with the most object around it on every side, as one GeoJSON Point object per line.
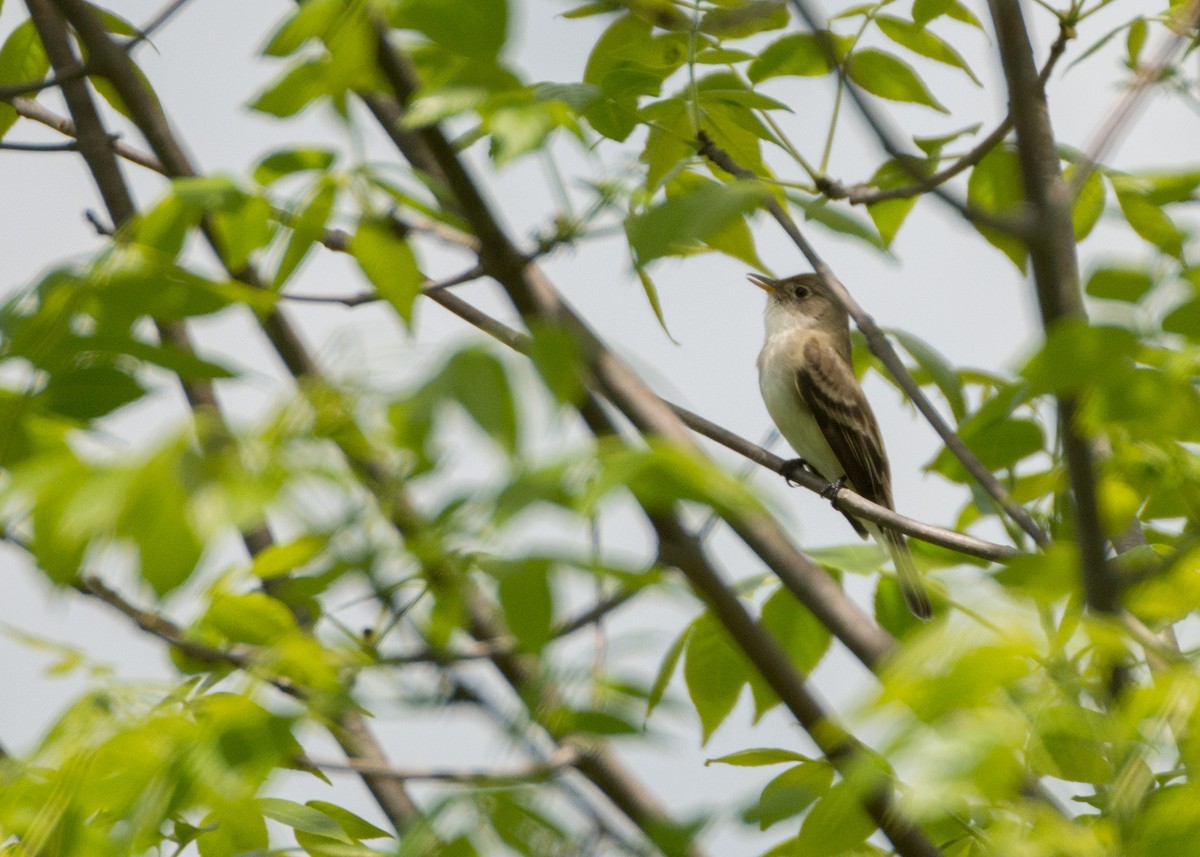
{"type": "Point", "coordinates": [941, 283]}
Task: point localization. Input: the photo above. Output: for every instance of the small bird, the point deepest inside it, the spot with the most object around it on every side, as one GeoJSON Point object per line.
{"type": "Point", "coordinates": [808, 384]}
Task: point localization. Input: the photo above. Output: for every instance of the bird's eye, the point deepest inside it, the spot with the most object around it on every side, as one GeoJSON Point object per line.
{"type": "Point", "coordinates": [800, 292]}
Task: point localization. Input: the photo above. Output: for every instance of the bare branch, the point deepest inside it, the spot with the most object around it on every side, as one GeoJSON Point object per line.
{"type": "Point", "coordinates": [564, 759]}
{"type": "Point", "coordinates": [361, 298]}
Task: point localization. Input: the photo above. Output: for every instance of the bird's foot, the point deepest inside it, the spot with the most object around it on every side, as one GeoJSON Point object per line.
{"type": "Point", "coordinates": [830, 490]}
{"type": "Point", "coordinates": [793, 467]}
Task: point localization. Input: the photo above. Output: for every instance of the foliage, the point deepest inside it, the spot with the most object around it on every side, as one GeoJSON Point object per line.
{"type": "Point", "coordinates": [1018, 722]}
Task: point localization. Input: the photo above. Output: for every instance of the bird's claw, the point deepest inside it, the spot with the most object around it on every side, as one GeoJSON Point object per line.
{"type": "Point", "coordinates": [794, 466]}
{"type": "Point", "coordinates": [830, 490]}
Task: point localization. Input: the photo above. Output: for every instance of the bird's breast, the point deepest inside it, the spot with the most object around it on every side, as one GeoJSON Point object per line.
{"type": "Point", "coordinates": [778, 364]}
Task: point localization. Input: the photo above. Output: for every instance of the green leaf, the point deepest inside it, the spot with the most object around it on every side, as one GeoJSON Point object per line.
{"type": "Point", "coordinates": [1169, 823]}
{"type": "Point", "coordinates": [280, 559]}
{"type": "Point", "coordinates": [651, 292]}
{"type": "Point", "coordinates": [938, 368]}
{"type": "Point", "coordinates": [388, 261]}
{"type": "Point", "coordinates": [308, 227]}
{"type": "Point", "coordinates": [922, 42]}
{"type": "Point", "coordinates": [890, 214]}
{"type": "Point", "coordinates": [889, 77]}
{"type": "Point", "coordinates": [480, 31]}
{"type": "Point", "coordinates": [314, 19]}
{"type": "Point", "coordinates": [835, 824]}
{"type": "Point", "coordinates": [1045, 577]}
{"type": "Point", "coordinates": [1119, 284]}
{"type": "Point", "coordinates": [300, 817]}
{"type": "Point", "coordinates": [1135, 41]}
{"type": "Point", "coordinates": [667, 669]}
{"type": "Point", "coordinates": [299, 87]}
{"type": "Point", "coordinates": [524, 591]}
{"type": "Point", "coordinates": [837, 218]}
{"type": "Point", "coordinates": [745, 19]}
{"type": "Point", "coordinates": [999, 444]}
{"type": "Point", "coordinates": [924, 11]}
{"type": "Point", "coordinates": [757, 758]}
{"type": "Point", "coordinates": [22, 59]}
{"type": "Point", "coordinates": [253, 618]}
{"type": "Point", "coordinates": [676, 225]}
{"type": "Point", "coordinates": [1071, 743]}
{"type": "Point", "coordinates": [800, 634]}
{"type": "Point", "coordinates": [891, 610]}
{"type": "Point", "coordinates": [286, 162]}
{"type": "Point", "coordinates": [1148, 220]}
{"type": "Point", "coordinates": [1089, 204]}
{"type": "Point", "coordinates": [799, 54]}
{"type": "Point", "coordinates": [479, 382]}
{"type": "Point", "coordinates": [1076, 356]}
{"type": "Point", "coordinates": [1184, 320]}
{"type": "Point", "coordinates": [232, 830]}
{"type": "Point", "coordinates": [714, 672]}
{"type": "Point", "coordinates": [89, 392]}
{"type": "Point", "coordinates": [790, 793]}
{"type": "Point", "coordinates": [155, 518]}
{"type": "Point", "coordinates": [557, 356]}
{"type": "Point", "coordinates": [355, 827]}
{"type": "Point", "coordinates": [995, 187]}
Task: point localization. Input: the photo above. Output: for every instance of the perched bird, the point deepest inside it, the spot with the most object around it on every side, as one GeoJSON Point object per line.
{"type": "Point", "coordinates": [808, 384]}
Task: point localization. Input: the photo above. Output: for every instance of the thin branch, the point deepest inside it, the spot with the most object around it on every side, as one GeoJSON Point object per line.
{"type": "Point", "coordinates": [867, 194]}
{"type": "Point", "coordinates": [882, 348]}
{"type": "Point", "coordinates": [40, 147]}
{"type": "Point", "coordinates": [1056, 275]}
{"type": "Point", "coordinates": [156, 23]}
{"type": "Point", "coordinates": [428, 287]}
{"type": "Point", "coordinates": [10, 91]}
{"type": "Point", "coordinates": [888, 139]}
{"type": "Point", "coordinates": [34, 110]}
{"type": "Point", "coordinates": [564, 759]}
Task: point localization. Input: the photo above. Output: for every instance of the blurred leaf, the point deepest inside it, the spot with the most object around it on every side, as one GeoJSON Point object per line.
{"type": "Point", "coordinates": [1089, 203]}
{"type": "Point", "coordinates": [355, 827]}
{"type": "Point", "coordinates": [308, 227]}
{"type": "Point", "coordinates": [253, 618]}
{"type": "Point", "coordinates": [389, 263]}
{"type": "Point", "coordinates": [889, 77]}
{"type": "Point", "coordinates": [714, 672]}
{"type": "Point", "coordinates": [790, 793]}
{"type": "Point", "coordinates": [995, 187]}
{"type": "Point", "coordinates": [479, 382]}
{"type": "Point", "coordinates": [1184, 319]}
{"type": "Point", "coordinates": [1169, 823]}
{"type": "Point", "coordinates": [1076, 356]}
{"type": "Point", "coordinates": [559, 360]}
{"type": "Point", "coordinates": [1119, 284]}
{"type": "Point", "coordinates": [923, 42]}
{"type": "Point", "coordinates": [1149, 220]}
{"type": "Point", "coordinates": [837, 218]}
{"type": "Point", "coordinates": [999, 445]}
{"type": "Point", "coordinates": [302, 818]}
{"type": "Point", "coordinates": [938, 368]}
{"type": "Point", "coordinates": [1045, 577]}
{"type": "Point", "coordinates": [482, 32]}
{"type": "Point", "coordinates": [300, 86]}
{"type": "Point", "coordinates": [890, 214]}
{"type": "Point", "coordinates": [279, 559]}
{"type": "Point", "coordinates": [801, 635]}
{"type": "Point", "coordinates": [891, 610]}
{"type": "Point", "coordinates": [314, 19]}
{"type": "Point", "coordinates": [524, 590]}
{"type": "Point", "coordinates": [90, 392]}
{"type": "Point", "coordinates": [799, 54]}
{"type": "Point", "coordinates": [670, 227]}
{"type": "Point", "coordinates": [757, 758]}
{"type": "Point", "coordinates": [286, 162]}
{"type": "Point", "coordinates": [22, 59]}
{"type": "Point", "coordinates": [735, 239]}
{"type": "Point", "coordinates": [232, 830]}
{"type": "Point", "coordinates": [745, 19]}
{"type": "Point", "coordinates": [836, 823]}
{"type": "Point", "coordinates": [666, 669]}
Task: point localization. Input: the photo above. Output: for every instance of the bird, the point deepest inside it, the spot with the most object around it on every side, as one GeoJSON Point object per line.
{"type": "Point", "coordinates": [810, 390]}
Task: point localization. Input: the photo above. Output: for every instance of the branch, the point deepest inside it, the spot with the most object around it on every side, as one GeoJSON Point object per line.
{"type": "Point", "coordinates": [564, 759]}
{"type": "Point", "coordinates": [428, 287]}
{"type": "Point", "coordinates": [867, 194]}
{"type": "Point", "coordinates": [882, 348]}
{"type": "Point", "coordinates": [1010, 225]}
{"type": "Point", "coordinates": [1056, 275]}
{"type": "Point", "coordinates": [39, 147]}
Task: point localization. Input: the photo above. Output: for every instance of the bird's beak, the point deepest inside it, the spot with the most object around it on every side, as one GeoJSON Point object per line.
{"type": "Point", "coordinates": [765, 283]}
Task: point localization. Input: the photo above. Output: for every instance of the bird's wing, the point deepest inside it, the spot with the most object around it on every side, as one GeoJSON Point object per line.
{"type": "Point", "coordinates": [827, 385]}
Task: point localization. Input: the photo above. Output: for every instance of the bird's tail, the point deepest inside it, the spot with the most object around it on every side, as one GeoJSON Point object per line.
{"type": "Point", "coordinates": [911, 585]}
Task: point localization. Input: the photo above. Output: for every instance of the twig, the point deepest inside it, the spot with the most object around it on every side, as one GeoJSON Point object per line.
{"type": "Point", "coordinates": [39, 147]}
{"type": "Point", "coordinates": [428, 287]}
{"type": "Point", "coordinates": [39, 113]}
{"type": "Point", "coordinates": [882, 348]}
{"type": "Point", "coordinates": [155, 24]}
{"type": "Point", "coordinates": [1009, 224]}
{"type": "Point", "coordinates": [564, 759]}
{"type": "Point", "coordinates": [10, 91]}
{"type": "Point", "coordinates": [867, 194]}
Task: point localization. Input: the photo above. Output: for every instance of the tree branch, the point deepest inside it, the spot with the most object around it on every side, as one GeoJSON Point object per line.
{"type": "Point", "coordinates": [564, 759]}
{"type": "Point", "coordinates": [1056, 275]}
